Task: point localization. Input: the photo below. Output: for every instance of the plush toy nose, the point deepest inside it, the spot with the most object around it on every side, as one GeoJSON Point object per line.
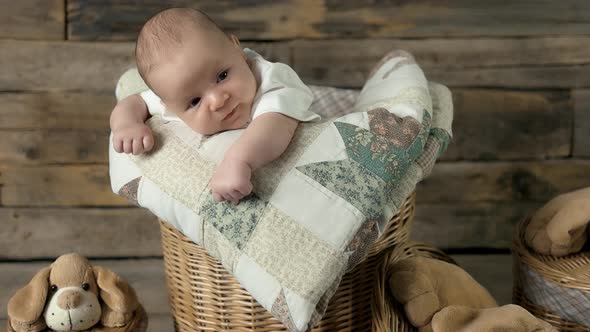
{"type": "Point", "coordinates": [69, 299]}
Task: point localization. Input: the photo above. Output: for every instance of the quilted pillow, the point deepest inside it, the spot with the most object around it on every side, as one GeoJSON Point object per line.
{"type": "Point", "coordinates": [315, 210]}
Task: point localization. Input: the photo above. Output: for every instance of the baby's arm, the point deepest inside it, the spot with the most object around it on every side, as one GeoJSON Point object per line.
{"type": "Point", "coordinates": [130, 133]}
{"type": "Point", "coordinates": [263, 141]}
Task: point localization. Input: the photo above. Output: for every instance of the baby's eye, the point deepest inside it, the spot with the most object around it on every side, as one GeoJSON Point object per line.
{"type": "Point", "coordinates": [195, 101]}
{"type": "Point", "coordinates": [222, 76]}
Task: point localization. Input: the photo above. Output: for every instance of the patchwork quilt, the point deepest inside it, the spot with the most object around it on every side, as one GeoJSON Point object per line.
{"type": "Point", "coordinates": [315, 211]}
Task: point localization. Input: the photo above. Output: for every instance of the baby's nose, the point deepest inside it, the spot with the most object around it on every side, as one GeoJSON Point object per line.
{"type": "Point", "coordinates": [217, 100]}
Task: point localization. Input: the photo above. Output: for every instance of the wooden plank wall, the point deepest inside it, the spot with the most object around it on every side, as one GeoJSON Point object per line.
{"type": "Point", "coordinates": [519, 72]}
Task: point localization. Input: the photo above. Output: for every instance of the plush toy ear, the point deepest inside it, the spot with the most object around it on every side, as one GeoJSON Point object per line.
{"type": "Point", "coordinates": [26, 306]}
{"type": "Point", "coordinates": [114, 291]}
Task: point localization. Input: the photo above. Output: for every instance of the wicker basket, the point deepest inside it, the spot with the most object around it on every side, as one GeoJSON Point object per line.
{"type": "Point", "coordinates": [138, 324]}
{"type": "Point", "coordinates": [556, 281]}
{"type": "Point", "coordinates": [388, 314]}
{"type": "Point", "coordinates": [205, 297]}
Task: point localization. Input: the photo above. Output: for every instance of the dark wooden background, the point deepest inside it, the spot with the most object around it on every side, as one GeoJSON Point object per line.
{"type": "Point", "coordinates": [519, 72]}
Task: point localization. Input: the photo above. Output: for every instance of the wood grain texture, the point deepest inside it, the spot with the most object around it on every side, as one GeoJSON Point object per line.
{"type": "Point", "coordinates": [51, 66]}
{"type": "Point", "coordinates": [35, 233]}
{"type": "Point", "coordinates": [56, 110]}
{"type": "Point", "coordinates": [503, 181]}
{"type": "Point", "coordinates": [88, 185]}
{"type": "Point", "coordinates": [461, 225]}
{"type": "Point", "coordinates": [289, 19]}
{"type": "Point", "coordinates": [74, 66]}
{"type": "Point", "coordinates": [488, 125]}
{"type": "Point", "coordinates": [33, 19]}
{"type": "Point", "coordinates": [78, 67]}
{"type": "Point", "coordinates": [480, 62]}
{"type": "Point", "coordinates": [507, 125]}
{"type": "Point", "coordinates": [72, 185]}
{"type": "Point", "coordinates": [27, 233]}
{"type": "Point", "coordinates": [581, 101]}
{"type": "Point", "coordinates": [53, 147]}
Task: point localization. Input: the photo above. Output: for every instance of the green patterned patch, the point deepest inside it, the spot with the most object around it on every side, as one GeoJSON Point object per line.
{"type": "Point", "coordinates": [379, 160]}
{"type": "Point", "coordinates": [443, 138]}
{"type": "Point", "coordinates": [373, 152]}
{"type": "Point", "coordinates": [351, 181]}
{"type": "Point", "coordinates": [235, 222]}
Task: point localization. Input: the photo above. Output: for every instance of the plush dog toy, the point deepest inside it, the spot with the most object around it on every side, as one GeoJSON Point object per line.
{"type": "Point", "coordinates": [441, 297]}
{"type": "Point", "coordinates": [72, 295]}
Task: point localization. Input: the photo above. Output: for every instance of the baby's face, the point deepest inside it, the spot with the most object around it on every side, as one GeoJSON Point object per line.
{"type": "Point", "coordinates": [207, 83]}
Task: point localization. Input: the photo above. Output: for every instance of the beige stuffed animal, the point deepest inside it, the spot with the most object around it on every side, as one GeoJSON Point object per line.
{"type": "Point", "coordinates": [72, 295]}
{"type": "Point", "coordinates": [441, 297]}
{"type": "Point", "coordinates": [560, 227]}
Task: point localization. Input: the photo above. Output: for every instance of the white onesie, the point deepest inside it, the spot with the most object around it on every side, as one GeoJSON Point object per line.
{"type": "Point", "coordinates": [279, 90]}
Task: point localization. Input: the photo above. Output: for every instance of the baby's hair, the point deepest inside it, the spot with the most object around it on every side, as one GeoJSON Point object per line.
{"type": "Point", "coordinates": [164, 31]}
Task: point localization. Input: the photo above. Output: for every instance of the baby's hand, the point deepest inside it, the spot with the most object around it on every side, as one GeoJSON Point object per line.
{"type": "Point", "coordinates": [231, 181]}
{"type": "Point", "coordinates": [135, 138]}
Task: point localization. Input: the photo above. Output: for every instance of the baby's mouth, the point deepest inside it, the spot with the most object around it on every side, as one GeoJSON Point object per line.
{"type": "Point", "coordinates": [230, 113]}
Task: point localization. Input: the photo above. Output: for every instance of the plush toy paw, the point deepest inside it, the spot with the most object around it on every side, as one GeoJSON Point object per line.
{"type": "Point", "coordinates": [559, 228]}
{"type": "Point", "coordinates": [506, 318]}
{"type": "Point", "coordinates": [425, 286]}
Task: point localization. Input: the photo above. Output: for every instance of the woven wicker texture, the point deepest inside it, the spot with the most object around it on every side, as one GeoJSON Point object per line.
{"type": "Point", "coordinates": [205, 297]}
{"type": "Point", "coordinates": [570, 275]}
{"type": "Point", "coordinates": [138, 324]}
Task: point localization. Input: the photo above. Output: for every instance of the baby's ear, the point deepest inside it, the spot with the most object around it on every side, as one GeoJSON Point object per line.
{"type": "Point", "coordinates": [234, 39]}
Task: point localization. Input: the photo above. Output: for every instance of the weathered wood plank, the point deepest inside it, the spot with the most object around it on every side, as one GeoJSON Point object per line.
{"type": "Point", "coordinates": [135, 232]}
{"type": "Point", "coordinates": [33, 19]}
{"type": "Point", "coordinates": [503, 181]}
{"type": "Point", "coordinates": [146, 276]}
{"type": "Point", "coordinates": [76, 185]}
{"type": "Point", "coordinates": [461, 225]}
{"type": "Point", "coordinates": [550, 77]}
{"type": "Point", "coordinates": [517, 63]}
{"type": "Point", "coordinates": [488, 124]}
{"type": "Point", "coordinates": [503, 125]}
{"type": "Point", "coordinates": [51, 66]}
{"type": "Point", "coordinates": [56, 110]}
{"type": "Point", "coordinates": [53, 147]}
{"type": "Point", "coordinates": [103, 232]}
{"type": "Point", "coordinates": [97, 66]}
{"type": "Point", "coordinates": [581, 101]}
{"type": "Point", "coordinates": [88, 185]}
{"type": "Point", "coordinates": [62, 65]}
{"type": "Point", "coordinates": [121, 20]}
{"type": "Point", "coordinates": [493, 272]}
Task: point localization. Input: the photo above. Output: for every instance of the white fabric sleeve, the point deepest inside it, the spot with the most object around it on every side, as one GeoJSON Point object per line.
{"type": "Point", "coordinates": [155, 106]}
{"type": "Point", "coordinates": [153, 102]}
{"type": "Point", "coordinates": [284, 92]}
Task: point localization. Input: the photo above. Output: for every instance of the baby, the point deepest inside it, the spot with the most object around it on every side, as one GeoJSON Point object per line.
{"type": "Point", "coordinates": [199, 75]}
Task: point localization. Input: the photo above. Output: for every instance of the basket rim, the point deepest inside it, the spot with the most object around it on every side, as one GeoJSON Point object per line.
{"type": "Point", "coordinates": [544, 314]}
{"type": "Point", "coordinates": [554, 268]}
